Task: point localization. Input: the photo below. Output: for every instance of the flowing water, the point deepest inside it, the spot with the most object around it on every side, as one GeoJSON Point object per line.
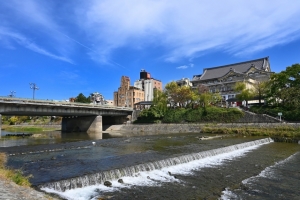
{"type": "Point", "coordinates": [173, 166]}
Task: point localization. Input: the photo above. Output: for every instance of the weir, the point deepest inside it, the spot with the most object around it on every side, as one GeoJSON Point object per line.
{"type": "Point", "coordinates": [114, 174]}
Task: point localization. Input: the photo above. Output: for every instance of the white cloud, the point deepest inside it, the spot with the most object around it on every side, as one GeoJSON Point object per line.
{"type": "Point", "coordinates": [182, 67]}
{"type": "Point", "coordinates": [188, 28]}
{"type": "Point", "coordinates": [182, 29]}
{"type": "Point", "coordinates": [10, 36]}
{"type": "Point", "coordinates": [191, 65]}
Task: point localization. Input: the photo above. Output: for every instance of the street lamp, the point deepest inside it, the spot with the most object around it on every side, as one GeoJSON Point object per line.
{"type": "Point", "coordinates": [12, 94]}
{"type": "Point", "coordinates": [34, 87]}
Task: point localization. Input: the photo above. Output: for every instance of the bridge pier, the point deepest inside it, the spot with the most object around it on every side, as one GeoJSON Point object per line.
{"type": "Point", "coordinates": [89, 124]}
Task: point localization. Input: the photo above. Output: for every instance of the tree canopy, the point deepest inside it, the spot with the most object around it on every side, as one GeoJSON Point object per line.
{"type": "Point", "coordinates": [283, 87]}
{"type": "Point", "coordinates": [244, 92]}
{"type": "Point", "coordinates": [82, 99]}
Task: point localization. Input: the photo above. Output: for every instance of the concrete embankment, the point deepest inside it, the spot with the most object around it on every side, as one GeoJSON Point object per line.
{"type": "Point", "coordinates": [181, 128]}
{"type": "Point", "coordinates": [150, 129]}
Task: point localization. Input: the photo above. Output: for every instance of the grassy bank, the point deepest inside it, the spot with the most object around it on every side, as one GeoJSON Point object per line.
{"type": "Point", "coordinates": [282, 131]}
{"type": "Point", "coordinates": [28, 128]}
{"type": "Point", "coordinates": [12, 175]}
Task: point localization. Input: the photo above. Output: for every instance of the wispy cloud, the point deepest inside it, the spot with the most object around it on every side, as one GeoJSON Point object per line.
{"type": "Point", "coordinates": [191, 65]}
{"type": "Point", "coordinates": [20, 39]}
{"type": "Point", "coordinates": [32, 24]}
{"type": "Point", "coordinates": [182, 67]}
{"type": "Point", "coordinates": [187, 29]}
{"type": "Point", "coordinates": [182, 29]}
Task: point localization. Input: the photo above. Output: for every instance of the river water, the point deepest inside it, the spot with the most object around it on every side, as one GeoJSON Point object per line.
{"type": "Point", "coordinates": [169, 166]}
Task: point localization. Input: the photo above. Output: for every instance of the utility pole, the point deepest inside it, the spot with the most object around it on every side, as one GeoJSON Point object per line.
{"type": "Point", "coordinates": [12, 94]}
{"type": "Point", "coordinates": [34, 87]}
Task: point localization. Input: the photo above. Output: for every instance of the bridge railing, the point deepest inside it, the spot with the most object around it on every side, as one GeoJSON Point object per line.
{"type": "Point", "coordinates": [58, 103]}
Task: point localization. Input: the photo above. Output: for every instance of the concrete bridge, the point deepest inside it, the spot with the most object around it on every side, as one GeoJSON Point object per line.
{"type": "Point", "coordinates": [79, 117]}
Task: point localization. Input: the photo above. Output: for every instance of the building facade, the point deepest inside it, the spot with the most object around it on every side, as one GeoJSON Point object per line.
{"type": "Point", "coordinates": [127, 95]}
{"type": "Point", "coordinates": [223, 78]}
{"type": "Point", "coordinates": [148, 85]}
{"type": "Point", "coordinates": [184, 82]}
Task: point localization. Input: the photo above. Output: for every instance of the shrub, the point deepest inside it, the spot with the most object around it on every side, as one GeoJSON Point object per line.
{"type": "Point", "coordinates": [287, 113]}
{"type": "Point", "coordinates": [174, 115]}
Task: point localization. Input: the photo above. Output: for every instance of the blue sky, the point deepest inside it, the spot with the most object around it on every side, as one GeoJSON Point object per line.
{"type": "Point", "coordinates": [70, 47]}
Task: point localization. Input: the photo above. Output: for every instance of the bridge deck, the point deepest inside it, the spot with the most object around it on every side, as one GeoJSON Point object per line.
{"type": "Point", "coordinates": [20, 106]}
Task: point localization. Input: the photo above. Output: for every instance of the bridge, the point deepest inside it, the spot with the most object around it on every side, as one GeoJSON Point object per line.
{"type": "Point", "coordinates": [79, 117]}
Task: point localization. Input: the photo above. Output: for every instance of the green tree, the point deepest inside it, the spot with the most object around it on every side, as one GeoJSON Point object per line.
{"type": "Point", "coordinates": [204, 96]}
{"type": "Point", "coordinates": [178, 95]}
{"type": "Point", "coordinates": [260, 90]}
{"type": "Point", "coordinates": [284, 87]}
{"type": "Point", "coordinates": [244, 92]}
{"type": "Point", "coordinates": [13, 120]}
{"type": "Point", "coordinates": [82, 99]}
{"type": "Point", "coordinates": [160, 101]}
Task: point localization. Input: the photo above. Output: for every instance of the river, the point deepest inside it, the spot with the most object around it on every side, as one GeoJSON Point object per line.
{"type": "Point", "coordinates": [170, 166]}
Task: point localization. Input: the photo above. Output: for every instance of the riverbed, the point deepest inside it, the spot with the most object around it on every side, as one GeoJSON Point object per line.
{"type": "Point", "coordinates": [260, 171]}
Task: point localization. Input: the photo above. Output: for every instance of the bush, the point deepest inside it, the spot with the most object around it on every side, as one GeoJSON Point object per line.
{"type": "Point", "coordinates": [174, 115]}
{"type": "Point", "coordinates": [287, 114]}
{"type": "Point", "coordinates": [193, 115]}
{"type": "Point", "coordinates": [210, 114]}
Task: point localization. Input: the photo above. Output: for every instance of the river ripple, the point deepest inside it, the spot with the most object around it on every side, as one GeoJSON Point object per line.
{"type": "Point", "coordinates": [54, 162]}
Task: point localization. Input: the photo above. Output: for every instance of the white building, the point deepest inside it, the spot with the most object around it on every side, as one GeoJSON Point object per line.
{"type": "Point", "coordinates": [148, 85]}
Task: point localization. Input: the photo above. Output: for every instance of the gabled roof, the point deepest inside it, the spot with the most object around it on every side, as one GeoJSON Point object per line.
{"type": "Point", "coordinates": [242, 67]}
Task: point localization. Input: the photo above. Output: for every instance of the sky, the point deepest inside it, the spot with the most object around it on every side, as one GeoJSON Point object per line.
{"type": "Point", "coordinates": [72, 46]}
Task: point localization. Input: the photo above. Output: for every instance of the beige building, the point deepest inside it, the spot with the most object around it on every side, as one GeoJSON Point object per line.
{"type": "Point", "coordinates": [223, 78]}
{"type": "Point", "coordinates": [127, 95]}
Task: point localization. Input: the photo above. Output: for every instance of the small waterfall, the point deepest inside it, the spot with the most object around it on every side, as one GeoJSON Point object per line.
{"type": "Point", "coordinates": [101, 177]}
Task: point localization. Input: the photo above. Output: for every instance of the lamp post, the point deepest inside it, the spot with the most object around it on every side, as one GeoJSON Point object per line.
{"type": "Point", "coordinates": [12, 94]}
{"type": "Point", "coordinates": [34, 87]}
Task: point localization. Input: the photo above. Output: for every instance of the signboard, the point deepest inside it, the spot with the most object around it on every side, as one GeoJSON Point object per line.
{"type": "Point", "coordinates": [280, 114]}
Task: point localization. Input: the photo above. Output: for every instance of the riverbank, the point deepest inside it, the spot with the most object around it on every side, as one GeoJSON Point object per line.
{"type": "Point", "coordinates": [10, 190]}
{"type": "Point", "coordinates": [278, 131]}
{"type": "Point", "coordinates": [30, 128]}
{"type": "Point", "coordinates": [22, 190]}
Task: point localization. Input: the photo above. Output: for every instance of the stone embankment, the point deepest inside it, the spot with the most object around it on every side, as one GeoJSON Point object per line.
{"type": "Point", "coordinates": [151, 129]}
{"type": "Point", "coordinates": [195, 128]}
{"type": "Point", "coordinates": [10, 190]}
{"type": "Point", "coordinates": [250, 117]}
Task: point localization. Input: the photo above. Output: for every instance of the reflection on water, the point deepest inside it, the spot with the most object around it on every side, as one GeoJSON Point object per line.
{"type": "Point", "coordinates": [49, 137]}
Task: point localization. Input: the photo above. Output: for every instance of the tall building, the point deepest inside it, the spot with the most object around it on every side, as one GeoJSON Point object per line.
{"type": "Point", "coordinates": [127, 95]}
{"type": "Point", "coordinates": [223, 78]}
{"type": "Point", "coordinates": [148, 85]}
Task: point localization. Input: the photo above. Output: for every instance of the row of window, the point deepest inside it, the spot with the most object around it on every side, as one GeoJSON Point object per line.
{"type": "Point", "coordinates": [222, 89]}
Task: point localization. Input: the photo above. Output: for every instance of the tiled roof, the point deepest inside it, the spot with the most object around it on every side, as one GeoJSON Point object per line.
{"type": "Point", "coordinates": [216, 72]}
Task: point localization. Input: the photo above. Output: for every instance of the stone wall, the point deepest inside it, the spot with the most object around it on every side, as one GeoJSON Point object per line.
{"type": "Point", "coordinates": [185, 128]}
{"type": "Point", "coordinates": [250, 117]}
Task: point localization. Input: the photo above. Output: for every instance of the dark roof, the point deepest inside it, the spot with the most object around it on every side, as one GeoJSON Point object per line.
{"type": "Point", "coordinates": [144, 103]}
{"type": "Point", "coordinates": [232, 100]}
{"type": "Point", "coordinates": [242, 67]}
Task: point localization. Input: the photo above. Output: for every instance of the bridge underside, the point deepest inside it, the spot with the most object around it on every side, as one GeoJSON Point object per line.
{"type": "Point", "coordinates": [75, 118]}
{"type": "Point", "coordinates": [90, 124]}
